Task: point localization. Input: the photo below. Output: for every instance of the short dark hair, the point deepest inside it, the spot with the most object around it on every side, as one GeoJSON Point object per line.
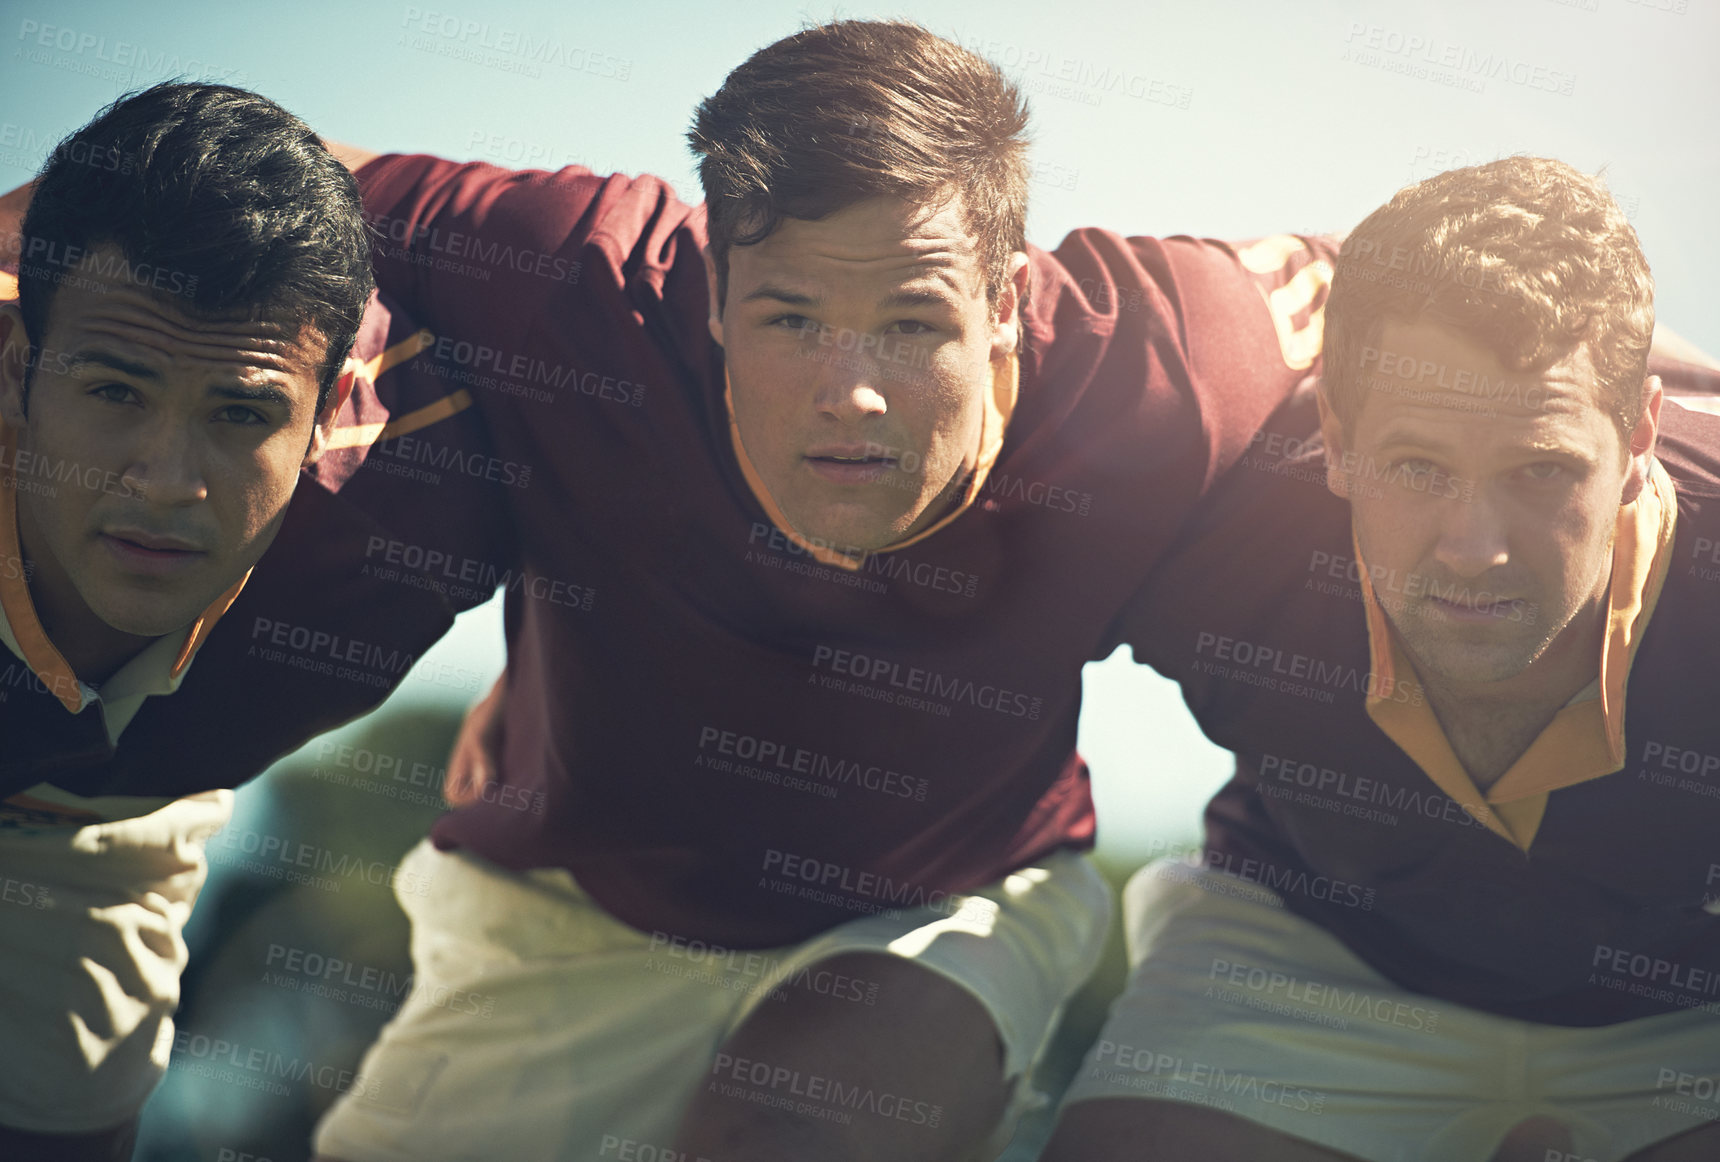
{"type": "Point", "coordinates": [1528, 256]}
{"type": "Point", "coordinates": [841, 112]}
{"type": "Point", "coordinates": [228, 192]}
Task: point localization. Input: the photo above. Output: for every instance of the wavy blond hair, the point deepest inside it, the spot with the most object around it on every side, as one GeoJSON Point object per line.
{"type": "Point", "coordinates": [1527, 256]}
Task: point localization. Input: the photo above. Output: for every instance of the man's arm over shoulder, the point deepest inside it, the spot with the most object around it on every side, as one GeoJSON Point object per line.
{"type": "Point", "coordinates": [488, 249]}
{"type": "Point", "coordinates": [413, 454]}
{"type": "Point", "coordinates": [1208, 338]}
{"type": "Point", "coordinates": [1252, 318]}
{"type": "Point", "coordinates": [1268, 527]}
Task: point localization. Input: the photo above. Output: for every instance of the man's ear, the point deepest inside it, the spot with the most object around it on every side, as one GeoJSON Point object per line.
{"type": "Point", "coordinates": [1006, 321]}
{"type": "Point", "coordinates": [715, 322]}
{"type": "Point", "coordinates": [1642, 440]}
{"type": "Point", "coordinates": [322, 429]}
{"type": "Point", "coordinates": [1332, 435]}
{"type": "Point", "coordinates": [14, 351]}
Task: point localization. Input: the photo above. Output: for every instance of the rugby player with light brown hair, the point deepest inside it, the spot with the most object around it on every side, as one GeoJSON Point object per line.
{"type": "Point", "coordinates": [1460, 900]}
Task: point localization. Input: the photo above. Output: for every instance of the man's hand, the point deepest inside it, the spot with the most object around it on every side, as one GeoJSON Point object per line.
{"type": "Point", "coordinates": [472, 766]}
{"type": "Point", "coordinates": [1672, 345]}
{"type": "Point", "coordinates": [12, 207]}
{"type": "Point", "coordinates": [351, 156]}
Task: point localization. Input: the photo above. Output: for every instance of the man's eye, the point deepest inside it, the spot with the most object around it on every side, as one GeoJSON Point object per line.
{"type": "Point", "coordinates": [794, 323]}
{"type": "Point", "coordinates": [912, 327]}
{"type": "Point", "coordinates": [1545, 470]}
{"type": "Point", "coordinates": [114, 392]}
{"type": "Point", "coordinates": [1415, 466]}
{"type": "Point", "coordinates": [237, 414]}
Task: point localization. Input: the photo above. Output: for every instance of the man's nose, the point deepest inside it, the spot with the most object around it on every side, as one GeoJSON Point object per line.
{"type": "Point", "coordinates": [847, 387]}
{"type": "Point", "coordinates": [166, 464]}
{"type": "Point", "coordinates": [1473, 536]}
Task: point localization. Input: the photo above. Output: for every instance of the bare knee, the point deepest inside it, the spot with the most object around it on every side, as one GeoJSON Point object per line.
{"type": "Point", "coordinates": [913, 1073]}
{"type": "Point", "coordinates": [1701, 1144]}
{"type": "Point", "coordinates": [1534, 1140]}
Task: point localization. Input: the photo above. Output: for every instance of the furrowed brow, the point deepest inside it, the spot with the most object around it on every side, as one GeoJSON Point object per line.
{"type": "Point", "coordinates": [915, 299]}
{"type": "Point", "coordinates": [260, 394]}
{"type": "Point", "coordinates": [782, 295]}
{"type": "Point", "coordinates": [1398, 434]}
{"type": "Point", "coordinates": [95, 356]}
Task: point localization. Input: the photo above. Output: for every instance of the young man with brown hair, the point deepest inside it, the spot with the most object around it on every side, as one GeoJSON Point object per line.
{"type": "Point", "coordinates": [856, 485]}
{"type": "Point", "coordinates": [1460, 900]}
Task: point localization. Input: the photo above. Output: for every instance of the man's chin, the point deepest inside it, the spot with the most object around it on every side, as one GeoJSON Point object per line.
{"type": "Point", "coordinates": [846, 541]}
{"type": "Point", "coordinates": [147, 618]}
{"type": "Point", "coordinates": [851, 533]}
{"type": "Point", "coordinates": [1465, 654]}
{"type": "Point", "coordinates": [1460, 659]}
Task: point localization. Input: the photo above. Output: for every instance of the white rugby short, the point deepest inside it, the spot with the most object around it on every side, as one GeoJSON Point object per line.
{"type": "Point", "coordinates": [541, 1027]}
{"type": "Point", "coordinates": [91, 947]}
{"type": "Point", "coordinates": [1236, 1003]}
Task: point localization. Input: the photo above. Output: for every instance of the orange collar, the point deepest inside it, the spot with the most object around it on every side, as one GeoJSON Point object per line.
{"type": "Point", "coordinates": [1585, 740]}
{"type": "Point", "coordinates": [999, 407]}
{"type": "Point", "coordinates": [38, 652]}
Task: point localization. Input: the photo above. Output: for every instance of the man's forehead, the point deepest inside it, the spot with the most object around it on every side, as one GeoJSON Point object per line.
{"type": "Point", "coordinates": [880, 238]}
{"type": "Point", "coordinates": [150, 327]}
{"type": "Point", "coordinates": [1425, 371]}
{"type": "Point", "coordinates": [1386, 413]}
{"type": "Point", "coordinates": [1544, 418]}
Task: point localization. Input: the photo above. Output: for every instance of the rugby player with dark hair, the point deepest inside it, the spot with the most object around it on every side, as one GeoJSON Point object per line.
{"type": "Point", "coordinates": [192, 272]}
{"type": "Point", "coordinates": [1460, 900]}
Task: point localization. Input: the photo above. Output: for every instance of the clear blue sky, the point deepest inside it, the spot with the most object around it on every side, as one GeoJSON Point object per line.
{"type": "Point", "coordinates": [1222, 117]}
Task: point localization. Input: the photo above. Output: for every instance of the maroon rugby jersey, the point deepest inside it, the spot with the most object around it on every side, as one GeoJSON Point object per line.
{"type": "Point", "coordinates": [1613, 910]}
{"type": "Point", "coordinates": [731, 740]}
